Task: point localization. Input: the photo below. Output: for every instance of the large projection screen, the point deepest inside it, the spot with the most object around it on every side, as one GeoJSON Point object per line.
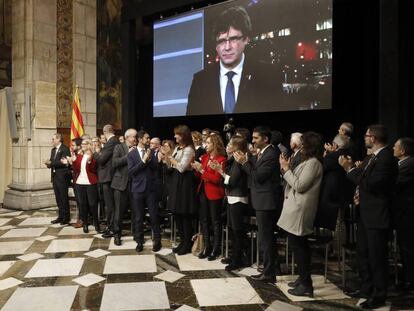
{"type": "Point", "coordinates": [279, 53]}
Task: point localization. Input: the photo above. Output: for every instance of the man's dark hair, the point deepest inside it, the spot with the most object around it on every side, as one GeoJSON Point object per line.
{"type": "Point", "coordinates": [277, 138]}
{"type": "Point", "coordinates": [235, 17]}
{"type": "Point", "coordinates": [263, 131]}
{"type": "Point", "coordinates": [141, 134]}
{"type": "Point", "coordinates": [407, 144]}
{"type": "Point", "coordinates": [77, 141]}
{"type": "Point", "coordinates": [380, 132]}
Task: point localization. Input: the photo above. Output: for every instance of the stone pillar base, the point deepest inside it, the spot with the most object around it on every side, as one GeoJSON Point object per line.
{"type": "Point", "coordinates": [29, 197]}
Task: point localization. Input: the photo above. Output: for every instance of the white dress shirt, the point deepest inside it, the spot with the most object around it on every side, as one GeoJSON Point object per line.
{"type": "Point", "coordinates": [238, 70]}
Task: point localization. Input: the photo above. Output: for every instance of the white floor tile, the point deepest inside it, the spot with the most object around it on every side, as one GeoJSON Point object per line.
{"type": "Point", "coordinates": [221, 292]}
{"type": "Point", "coordinates": [186, 308]}
{"type": "Point", "coordinates": [321, 290]}
{"type": "Point", "coordinates": [4, 221]}
{"type": "Point", "coordinates": [130, 264]}
{"type": "Point", "coordinates": [11, 248]}
{"type": "Point", "coordinates": [88, 279]}
{"type": "Point", "coordinates": [9, 282]}
{"type": "Point", "coordinates": [248, 271]}
{"type": "Point", "coordinates": [127, 243]}
{"type": "Point", "coordinates": [282, 306]}
{"type": "Point", "coordinates": [8, 227]}
{"type": "Point", "coordinates": [99, 236]}
{"type": "Point", "coordinates": [5, 265]}
{"type": "Point", "coordinates": [56, 267]}
{"type": "Point", "coordinates": [190, 262]}
{"type": "Point", "coordinates": [30, 257]}
{"type": "Point", "coordinates": [164, 251]}
{"type": "Point", "coordinates": [37, 221]}
{"type": "Point", "coordinates": [23, 217]}
{"type": "Point", "coordinates": [97, 253]}
{"type": "Point", "coordinates": [46, 238]}
{"type": "Point", "coordinates": [12, 214]}
{"type": "Point", "coordinates": [69, 245]}
{"type": "Point", "coordinates": [51, 298]}
{"type": "Point", "coordinates": [135, 296]}
{"type": "Point", "coordinates": [24, 232]}
{"type": "Point", "coordinates": [69, 230]}
{"type": "Point", "coordinates": [169, 276]}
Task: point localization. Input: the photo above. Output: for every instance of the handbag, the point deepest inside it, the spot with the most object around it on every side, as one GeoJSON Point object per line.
{"type": "Point", "coordinates": [198, 244]}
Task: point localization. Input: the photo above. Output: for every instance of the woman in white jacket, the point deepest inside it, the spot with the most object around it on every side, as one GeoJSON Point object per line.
{"type": "Point", "coordinates": [300, 206]}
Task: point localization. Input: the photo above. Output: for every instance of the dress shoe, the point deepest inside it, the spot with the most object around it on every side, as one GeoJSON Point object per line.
{"type": "Point", "coordinates": [77, 224]}
{"type": "Point", "coordinates": [373, 303]}
{"type": "Point", "coordinates": [294, 283]}
{"type": "Point", "coordinates": [185, 249]}
{"type": "Point", "coordinates": [233, 266]}
{"type": "Point", "coordinates": [65, 222]}
{"type": "Point", "coordinates": [140, 247]}
{"type": "Point", "coordinates": [213, 256]}
{"type": "Point", "coordinates": [177, 248]}
{"type": "Point", "coordinates": [56, 221]}
{"type": "Point", "coordinates": [226, 261]}
{"type": "Point", "coordinates": [261, 277]}
{"type": "Point", "coordinates": [107, 234]}
{"type": "Point", "coordinates": [117, 240]}
{"type": "Point", "coordinates": [204, 253]}
{"type": "Point", "coordinates": [301, 290]}
{"type": "Point", "coordinates": [85, 228]}
{"type": "Point", "coordinates": [356, 294]}
{"type": "Point", "coordinates": [156, 246]}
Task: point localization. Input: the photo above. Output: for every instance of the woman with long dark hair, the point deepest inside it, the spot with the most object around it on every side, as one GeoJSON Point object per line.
{"type": "Point", "coordinates": [211, 193]}
{"type": "Point", "coordinates": [181, 199]}
{"type": "Point", "coordinates": [300, 207]}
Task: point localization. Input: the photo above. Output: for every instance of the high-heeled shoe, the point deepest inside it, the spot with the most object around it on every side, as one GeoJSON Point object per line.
{"type": "Point", "coordinates": [205, 253]}
{"type": "Point", "coordinates": [214, 254]}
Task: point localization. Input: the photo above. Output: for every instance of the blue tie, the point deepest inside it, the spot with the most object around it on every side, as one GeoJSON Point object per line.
{"type": "Point", "coordinates": [230, 96]}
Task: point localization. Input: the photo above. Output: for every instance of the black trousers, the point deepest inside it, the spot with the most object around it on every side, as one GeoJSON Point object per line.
{"type": "Point", "coordinates": [109, 204]}
{"type": "Point", "coordinates": [184, 223]}
{"type": "Point", "coordinates": [406, 246]}
{"type": "Point", "coordinates": [266, 223]}
{"type": "Point", "coordinates": [121, 198]}
{"type": "Point", "coordinates": [140, 200]}
{"type": "Point", "coordinates": [88, 201]}
{"type": "Point", "coordinates": [372, 251]}
{"type": "Point", "coordinates": [61, 182]}
{"type": "Point", "coordinates": [300, 246]}
{"type": "Point", "coordinates": [235, 214]}
{"type": "Point", "coordinates": [209, 214]}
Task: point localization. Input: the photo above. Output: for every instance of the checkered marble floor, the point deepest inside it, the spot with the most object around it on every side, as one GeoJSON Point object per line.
{"type": "Point", "coordinates": [45, 267]}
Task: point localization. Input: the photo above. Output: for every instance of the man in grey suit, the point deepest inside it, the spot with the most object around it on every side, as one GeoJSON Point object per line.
{"type": "Point", "coordinates": [120, 181]}
{"type": "Point", "coordinates": [263, 171]}
{"type": "Point", "coordinates": [105, 172]}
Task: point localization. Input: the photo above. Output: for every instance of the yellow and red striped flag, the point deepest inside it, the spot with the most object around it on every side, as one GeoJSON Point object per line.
{"type": "Point", "coordinates": [76, 125]}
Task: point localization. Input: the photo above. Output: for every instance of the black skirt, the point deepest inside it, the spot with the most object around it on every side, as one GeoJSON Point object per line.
{"type": "Point", "coordinates": [182, 193]}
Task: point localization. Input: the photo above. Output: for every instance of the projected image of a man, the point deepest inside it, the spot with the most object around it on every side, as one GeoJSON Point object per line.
{"type": "Point", "coordinates": [236, 84]}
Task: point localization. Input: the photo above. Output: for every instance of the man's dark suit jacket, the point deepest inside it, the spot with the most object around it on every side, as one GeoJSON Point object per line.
{"type": "Point", "coordinates": [104, 160]}
{"type": "Point", "coordinates": [403, 207]}
{"type": "Point", "coordinates": [376, 186]}
{"type": "Point", "coordinates": [260, 90]}
{"type": "Point", "coordinates": [142, 175]}
{"type": "Point", "coordinates": [57, 168]}
{"type": "Point", "coordinates": [264, 180]}
{"type": "Point", "coordinates": [120, 166]}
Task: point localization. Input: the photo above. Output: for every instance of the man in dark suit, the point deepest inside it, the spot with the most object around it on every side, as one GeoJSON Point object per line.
{"type": "Point", "coordinates": [61, 177]}
{"type": "Point", "coordinates": [105, 172]}
{"type": "Point", "coordinates": [142, 167]}
{"type": "Point", "coordinates": [403, 208]}
{"type": "Point", "coordinates": [263, 173]}
{"type": "Point", "coordinates": [120, 181]}
{"type": "Point", "coordinates": [236, 84]}
{"type": "Point", "coordinates": [375, 179]}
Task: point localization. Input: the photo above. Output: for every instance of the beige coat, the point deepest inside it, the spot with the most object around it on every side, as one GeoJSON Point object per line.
{"type": "Point", "coordinates": [301, 198]}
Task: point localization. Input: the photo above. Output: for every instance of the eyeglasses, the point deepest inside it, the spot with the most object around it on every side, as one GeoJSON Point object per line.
{"type": "Point", "coordinates": [230, 40]}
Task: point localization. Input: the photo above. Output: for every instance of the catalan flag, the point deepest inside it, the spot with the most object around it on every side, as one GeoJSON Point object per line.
{"type": "Point", "coordinates": [76, 125]}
